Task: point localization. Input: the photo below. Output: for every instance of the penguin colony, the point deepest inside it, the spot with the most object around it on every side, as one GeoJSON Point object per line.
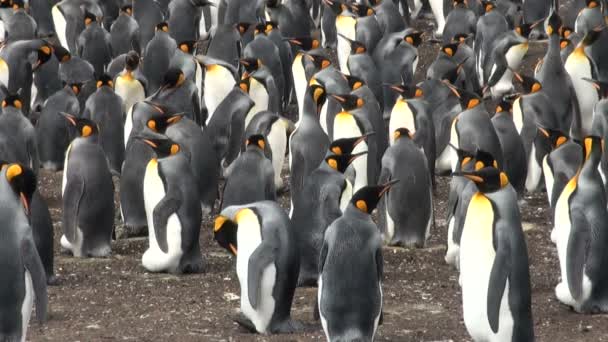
{"type": "Point", "coordinates": [171, 97]}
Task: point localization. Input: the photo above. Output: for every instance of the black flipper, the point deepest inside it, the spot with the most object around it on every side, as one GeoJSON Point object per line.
{"type": "Point", "coordinates": [380, 272]}
{"type": "Point", "coordinates": [498, 279]}
{"type": "Point", "coordinates": [165, 208]}
{"type": "Point", "coordinates": [33, 264]}
{"type": "Point", "coordinates": [72, 196]}
{"type": "Point", "coordinates": [259, 259]}
{"type": "Point", "coordinates": [576, 253]}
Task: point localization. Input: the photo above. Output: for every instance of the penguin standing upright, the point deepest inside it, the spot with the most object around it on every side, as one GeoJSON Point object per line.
{"type": "Point", "coordinates": [94, 43]}
{"type": "Point", "coordinates": [19, 258]}
{"type": "Point", "coordinates": [131, 87]}
{"type": "Point", "coordinates": [179, 94]}
{"type": "Point", "coordinates": [261, 88]}
{"type": "Point", "coordinates": [88, 194]}
{"type": "Point", "coordinates": [252, 177]}
{"type": "Point", "coordinates": [184, 18]}
{"type": "Point", "coordinates": [124, 32]}
{"type": "Point", "coordinates": [351, 270]}
{"type": "Point", "coordinates": [157, 54]}
{"type": "Point", "coordinates": [494, 269]}
{"type": "Point", "coordinates": [461, 19]}
{"type": "Point", "coordinates": [267, 264]}
{"type": "Point", "coordinates": [513, 150]}
{"type": "Point", "coordinates": [148, 14]}
{"type": "Point", "coordinates": [406, 212]}
{"type": "Point", "coordinates": [67, 19]}
{"type": "Point", "coordinates": [20, 25]}
{"type": "Point", "coordinates": [106, 108]}
{"type": "Point", "coordinates": [507, 55]}
{"type": "Point", "coordinates": [219, 79]}
{"type": "Point", "coordinates": [580, 235]}
{"type": "Point", "coordinates": [173, 210]}
{"type": "Point", "coordinates": [20, 131]}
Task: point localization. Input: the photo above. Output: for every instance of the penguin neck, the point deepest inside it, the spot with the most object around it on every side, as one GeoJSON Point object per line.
{"type": "Point", "coordinates": [554, 48]}
{"type": "Point", "coordinates": [590, 166]}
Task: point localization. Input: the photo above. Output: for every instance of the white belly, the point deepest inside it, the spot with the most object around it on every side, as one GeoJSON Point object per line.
{"type": "Point", "coordinates": [390, 226]}
{"type": "Point", "coordinates": [347, 194]}
{"type": "Point", "coordinates": [534, 171]}
{"type": "Point", "coordinates": [154, 259]}
{"type": "Point", "coordinates": [437, 9]}
{"type": "Point", "coordinates": [128, 125]}
{"type": "Point", "coordinates": [323, 118]}
{"type": "Point", "coordinates": [587, 98]}
{"type": "Point", "coordinates": [401, 117]}
{"type": "Point", "coordinates": [277, 138]}
{"type": "Point", "coordinates": [260, 97]}
{"type": "Point", "coordinates": [130, 92]}
{"type": "Point", "coordinates": [198, 76]}
{"type": "Point", "coordinates": [345, 126]}
{"type": "Point", "coordinates": [451, 256]}
{"type": "Point", "coordinates": [548, 178]}
{"type": "Point", "coordinates": [518, 115]}
{"type": "Point", "coordinates": [248, 239]}
{"type": "Point", "coordinates": [217, 84]}
{"type": "Point", "coordinates": [4, 72]}
{"type": "Point", "coordinates": [60, 26]}
{"type": "Point", "coordinates": [345, 26]}
{"type": "Point", "coordinates": [75, 246]}
{"type": "Point", "coordinates": [444, 161]}
{"type": "Point", "coordinates": [323, 319]}
{"type": "Point", "coordinates": [33, 94]}
{"type": "Point", "coordinates": [299, 83]}
{"type": "Point", "coordinates": [64, 177]}
{"type": "Point", "coordinates": [26, 306]}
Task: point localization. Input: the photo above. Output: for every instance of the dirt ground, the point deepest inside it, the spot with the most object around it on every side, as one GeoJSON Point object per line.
{"type": "Point", "coordinates": [114, 299]}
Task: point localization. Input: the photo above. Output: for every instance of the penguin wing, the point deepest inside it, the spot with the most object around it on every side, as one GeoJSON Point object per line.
{"type": "Point", "coordinates": [33, 263]}
{"type": "Point", "coordinates": [330, 203]}
{"type": "Point", "coordinates": [578, 245]}
{"type": "Point", "coordinates": [498, 276]}
{"type": "Point", "coordinates": [165, 208]}
{"type": "Point", "coordinates": [258, 261]}
{"type": "Point", "coordinates": [74, 190]}
{"type": "Point", "coordinates": [271, 193]}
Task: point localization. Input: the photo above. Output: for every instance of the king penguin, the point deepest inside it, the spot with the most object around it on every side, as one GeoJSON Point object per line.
{"type": "Point", "coordinates": [267, 264]}
{"type": "Point", "coordinates": [351, 270]}
{"type": "Point", "coordinates": [157, 54]}
{"type": "Point", "coordinates": [219, 79]}
{"type": "Point", "coordinates": [19, 255]}
{"type": "Point", "coordinates": [173, 210]}
{"type": "Point", "coordinates": [87, 193]}
{"type": "Point", "coordinates": [130, 85]}
{"type": "Point", "coordinates": [20, 25]}
{"type": "Point", "coordinates": [20, 131]}
{"type": "Point", "coordinates": [94, 43]}
{"type": "Point", "coordinates": [494, 269]}
{"type": "Point", "coordinates": [124, 32]}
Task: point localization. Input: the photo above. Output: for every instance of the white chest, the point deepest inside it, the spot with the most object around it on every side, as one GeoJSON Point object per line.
{"type": "Point", "coordinates": [401, 117]}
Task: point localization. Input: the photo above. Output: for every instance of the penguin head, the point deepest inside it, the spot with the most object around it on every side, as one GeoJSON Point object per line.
{"type": "Point", "coordinates": [592, 3]}
{"type": "Point", "coordinates": [465, 159]}
{"type": "Point", "coordinates": [468, 100]}
{"type": "Point", "coordinates": [347, 145]}
{"type": "Point", "coordinates": [160, 123]}
{"type": "Point", "coordinates": [354, 82]}
{"type": "Point", "coordinates": [504, 106]}
{"type": "Point", "coordinates": [564, 43]}
{"type": "Point", "coordinates": [529, 84]}
{"type": "Point", "coordinates": [367, 198]}
{"type": "Point", "coordinates": [242, 27]}
{"type": "Point", "coordinates": [555, 137]}
{"type": "Point", "coordinates": [62, 54]}
{"type": "Point", "coordinates": [406, 91]}
{"type": "Point", "coordinates": [318, 94]}
{"type": "Point", "coordinates": [488, 6]}
{"type": "Point", "coordinates": [187, 46]}
{"type": "Point", "coordinates": [305, 43]}
{"type": "Point", "coordinates": [250, 65]}
{"type": "Point", "coordinates": [553, 24]}
{"type": "Point", "coordinates": [174, 77]}
{"type": "Point", "coordinates": [402, 132]}
{"type": "Point", "coordinates": [593, 147]}
{"type": "Point", "coordinates": [127, 9]}
{"type": "Point", "coordinates": [260, 28]}
{"type": "Point", "coordinates": [413, 38]}
{"type": "Point", "coordinates": [245, 84]}
{"type": "Point", "coordinates": [319, 61]}
{"type": "Point", "coordinates": [356, 47]}
{"type": "Point", "coordinates": [162, 146]}
{"type": "Point", "coordinates": [22, 181]}
{"type": "Point", "coordinates": [89, 18]}
{"type": "Point", "coordinates": [17, 4]}
{"type": "Point", "coordinates": [84, 127]}
{"type": "Point", "coordinates": [340, 162]}
{"type": "Point", "coordinates": [105, 80]}
{"type": "Point", "coordinates": [602, 87]}
{"type": "Point", "coordinates": [162, 26]}
{"type": "Point", "coordinates": [488, 179]}
{"type": "Point", "coordinates": [460, 38]}
{"type": "Point", "coordinates": [76, 87]}
{"type": "Point", "coordinates": [43, 55]}
{"type": "Point", "coordinates": [131, 60]}
{"type": "Point", "coordinates": [460, 3]}
{"type": "Point", "coordinates": [524, 29]}
{"type": "Point", "coordinates": [225, 233]}
{"type": "Point", "coordinates": [361, 10]}
{"type": "Point", "coordinates": [484, 159]}
{"type": "Point", "coordinates": [349, 101]}
{"type": "Point", "coordinates": [450, 49]}
{"type": "Point", "coordinates": [12, 100]}
{"type": "Point", "coordinates": [565, 31]}
{"type": "Point", "coordinates": [256, 141]}
{"type": "Point", "coordinates": [270, 26]}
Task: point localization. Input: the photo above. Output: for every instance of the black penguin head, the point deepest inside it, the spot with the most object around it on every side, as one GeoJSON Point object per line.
{"type": "Point", "coordinates": [553, 24]}
{"type": "Point", "coordinates": [340, 162]}
{"type": "Point", "coordinates": [105, 80]}
{"type": "Point", "coordinates": [84, 127]}
{"type": "Point", "coordinates": [529, 84]}
{"type": "Point", "coordinates": [593, 147]}
{"type": "Point", "coordinates": [305, 43]}
{"type": "Point", "coordinates": [354, 82]}
{"type": "Point", "coordinates": [461, 3]}
{"type": "Point", "coordinates": [131, 61]}
{"type": "Point", "coordinates": [406, 91]}
{"type": "Point", "coordinates": [349, 101]}
{"type": "Point", "coordinates": [270, 26]}
{"type": "Point", "coordinates": [162, 145]}
{"type": "Point", "coordinates": [23, 182]}
{"type": "Point", "coordinates": [256, 141]}
{"type": "Point", "coordinates": [318, 94]}
{"type": "Point", "coordinates": [245, 84]}
{"type": "Point", "coordinates": [504, 106]}
{"type": "Point", "coordinates": [464, 159]}
{"type": "Point", "coordinates": [402, 132]}
{"type": "Point", "coordinates": [127, 9]}
{"type": "Point", "coordinates": [484, 159]}
{"type": "Point", "coordinates": [564, 43]}
{"type": "Point", "coordinates": [413, 38]}
{"type": "Point", "coordinates": [460, 38]}
{"type": "Point", "coordinates": [163, 26]}
{"type": "Point", "coordinates": [12, 100]}
{"type": "Point", "coordinates": [524, 29]}
{"type": "Point", "coordinates": [592, 3]}
{"type": "Point", "coordinates": [44, 53]}
{"type": "Point", "coordinates": [18, 4]}
{"type": "Point", "coordinates": [565, 31]}
{"type": "Point", "coordinates": [361, 10]}
{"type": "Point", "coordinates": [356, 47]}
{"type": "Point", "coordinates": [347, 145]}
{"type": "Point", "coordinates": [555, 137]}
{"type": "Point", "coordinates": [242, 27]}
{"type": "Point", "coordinates": [602, 87]}
{"type": "Point", "coordinates": [488, 6]}
{"type": "Point", "coordinates": [159, 123]}
{"type": "Point", "coordinates": [76, 87]}
{"type": "Point", "coordinates": [62, 54]}
{"type": "Point", "coordinates": [89, 18]}
{"type": "Point", "coordinates": [174, 77]}
{"type": "Point", "coordinates": [260, 28]}
{"type": "Point", "coordinates": [367, 198]}
{"type": "Point", "coordinates": [187, 46]}
{"type": "Point", "coordinates": [488, 179]}
{"type": "Point", "coordinates": [224, 232]}
{"type": "Point", "coordinates": [250, 65]}
{"type": "Point", "coordinates": [450, 49]}
{"type": "Point", "coordinates": [468, 100]}
{"type": "Point", "coordinates": [320, 61]}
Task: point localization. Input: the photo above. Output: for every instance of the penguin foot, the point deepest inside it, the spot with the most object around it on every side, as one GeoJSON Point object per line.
{"type": "Point", "coordinates": [193, 267]}
{"type": "Point", "coordinates": [245, 322]}
{"type": "Point", "coordinates": [52, 280]}
{"type": "Point", "coordinates": [288, 326]}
